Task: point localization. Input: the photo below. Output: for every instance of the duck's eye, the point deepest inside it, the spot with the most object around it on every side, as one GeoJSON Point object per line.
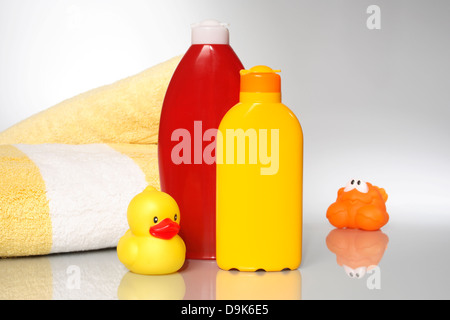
{"type": "Point", "coordinates": [362, 187]}
{"type": "Point", "coordinates": [350, 186]}
{"type": "Point", "coordinates": [155, 219]}
{"type": "Point", "coordinates": [175, 218]}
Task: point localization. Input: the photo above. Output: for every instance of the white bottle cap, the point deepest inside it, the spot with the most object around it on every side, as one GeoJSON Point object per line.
{"type": "Point", "coordinates": [210, 32]}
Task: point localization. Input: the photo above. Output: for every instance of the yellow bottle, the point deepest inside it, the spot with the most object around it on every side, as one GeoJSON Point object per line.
{"type": "Point", "coordinates": [259, 179]}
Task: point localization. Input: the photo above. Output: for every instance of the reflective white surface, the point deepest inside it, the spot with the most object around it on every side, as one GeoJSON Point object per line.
{"type": "Point", "coordinates": [372, 103]}
{"type": "Point", "coordinates": [403, 261]}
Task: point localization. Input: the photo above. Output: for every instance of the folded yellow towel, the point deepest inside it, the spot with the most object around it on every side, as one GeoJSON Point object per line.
{"type": "Point", "coordinates": [61, 198]}
{"type": "Point", "coordinates": [127, 111]}
{"type": "Point", "coordinates": [68, 173]}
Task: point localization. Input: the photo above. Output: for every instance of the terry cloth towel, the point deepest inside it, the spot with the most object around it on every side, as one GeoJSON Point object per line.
{"type": "Point", "coordinates": [68, 173]}
{"type": "Point", "coordinates": [127, 111]}
{"type": "Point", "coordinates": [60, 198]}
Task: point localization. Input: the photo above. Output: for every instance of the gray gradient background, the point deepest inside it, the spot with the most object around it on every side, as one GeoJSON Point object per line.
{"type": "Point", "coordinates": [373, 104]}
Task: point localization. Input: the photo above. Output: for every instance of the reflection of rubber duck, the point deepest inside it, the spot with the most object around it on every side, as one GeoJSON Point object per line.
{"type": "Point", "coordinates": [359, 205]}
{"type": "Point", "coordinates": [160, 287]}
{"type": "Point", "coordinates": [357, 251]}
{"type": "Point", "coordinates": [152, 245]}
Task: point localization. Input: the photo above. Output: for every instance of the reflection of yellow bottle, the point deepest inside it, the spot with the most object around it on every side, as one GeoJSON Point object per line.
{"type": "Point", "coordinates": [259, 179]}
{"type": "Point", "coordinates": [235, 285]}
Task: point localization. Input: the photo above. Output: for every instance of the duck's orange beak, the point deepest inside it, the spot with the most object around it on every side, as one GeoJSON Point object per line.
{"type": "Point", "coordinates": [166, 229]}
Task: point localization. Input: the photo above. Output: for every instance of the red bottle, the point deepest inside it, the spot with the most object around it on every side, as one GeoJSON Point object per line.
{"type": "Point", "coordinates": [203, 88]}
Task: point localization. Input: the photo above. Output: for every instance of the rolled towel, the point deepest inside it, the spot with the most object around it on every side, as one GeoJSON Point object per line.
{"type": "Point", "coordinates": [68, 173]}
{"type": "Point", "coordinates": [58, 198]}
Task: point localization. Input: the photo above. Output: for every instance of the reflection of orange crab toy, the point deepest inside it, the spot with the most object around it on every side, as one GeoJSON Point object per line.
{"type": "Point", "coordinates": [359, 205]}
{"type": "Point", "coordinates": [357, 251]}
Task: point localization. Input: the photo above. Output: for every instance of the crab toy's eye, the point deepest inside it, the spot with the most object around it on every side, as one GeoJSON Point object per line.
{"type": "Point", "coordinates": [361, 186]}
{"type": "Point", "coordinates": [357, 273]}
{"type": "Point", "coordinates": [351, 185]}
{"type": "Point", "coordinates": [360, 272]}
{"type": "Point", "coordinates": [349, 271]}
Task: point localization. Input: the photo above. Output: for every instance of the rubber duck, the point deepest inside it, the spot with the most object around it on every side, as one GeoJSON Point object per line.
{"type": "Point", "coordinates": [359, 205]}
{"type": "Point", "coordinates": [152, 245]}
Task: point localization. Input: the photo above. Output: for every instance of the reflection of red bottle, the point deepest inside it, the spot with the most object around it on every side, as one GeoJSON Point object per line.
{"type": "Point", "coordinates": [203, 88]}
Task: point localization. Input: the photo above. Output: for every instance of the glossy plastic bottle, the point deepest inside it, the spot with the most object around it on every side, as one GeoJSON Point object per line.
{"type": "Point", "coordinates": [203, 88]}
{"type": "Point", "coordinates": [259, 179]}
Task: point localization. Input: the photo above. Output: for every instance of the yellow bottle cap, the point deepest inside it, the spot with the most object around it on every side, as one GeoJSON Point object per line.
{"type": "Point", "coordinates": [260, 79]}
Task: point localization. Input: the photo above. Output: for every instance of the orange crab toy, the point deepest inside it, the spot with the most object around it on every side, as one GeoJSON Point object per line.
{"type": "Point", "coordinates": [359, 205]}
